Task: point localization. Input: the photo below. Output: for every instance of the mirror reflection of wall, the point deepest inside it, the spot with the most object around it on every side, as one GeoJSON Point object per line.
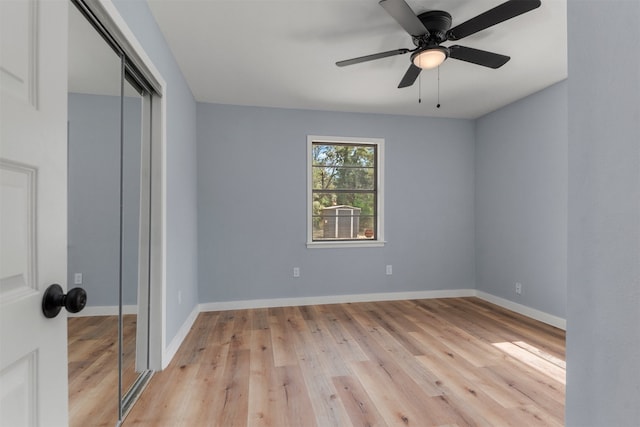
{"type": "Point", "coordinates": [94, 197]}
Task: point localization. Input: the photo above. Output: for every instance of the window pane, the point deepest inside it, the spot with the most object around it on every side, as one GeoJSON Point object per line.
{"type": "Point", "coordinates": [343, 178]}
{"type": "Point", "coordinates": [342, 226]}
{"type": "Point", "coordinates": [367, 227]}
{"type": "Point", "coordinates": [343, 155]}
{"type": "Point", "coordinates": [364, 201]}
{"type": "Point", "coordinates": [343, 215]}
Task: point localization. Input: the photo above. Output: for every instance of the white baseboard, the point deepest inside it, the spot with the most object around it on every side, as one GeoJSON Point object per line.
{"type": "Point", "coordinates": [541, 316]}
{"type": "Point", "coordinates": [176, 342]}
{"type": "Point", "coordinates": [104, 310]}
{"type": "Point", "coordinates": [333, 299]}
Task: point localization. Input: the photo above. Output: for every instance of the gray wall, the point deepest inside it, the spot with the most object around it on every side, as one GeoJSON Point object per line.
{"type": "Point", "coordinates": [94, 197]}
{"type": "Point", "coordinates": [181, 239]}
{"type": "Point", "coordinates": [603, 315]}
{"type": "Point", "coordinates": [521, 201]}
{"type": "Point", "coordinates": [252, 205]}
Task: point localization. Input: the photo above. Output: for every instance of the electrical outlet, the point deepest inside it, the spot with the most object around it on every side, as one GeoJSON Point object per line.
{"type": "Point", "coordinates": [518, 288]}
{"type": "Point", "coordinates": [296, 271]}
{"type": "Point", "coordinates": [77, 279]}
{"type": "Point", "coordinates": [389, 270]}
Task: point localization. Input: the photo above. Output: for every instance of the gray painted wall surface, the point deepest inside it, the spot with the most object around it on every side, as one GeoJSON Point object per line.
{"type": "Point", "coordinates": [603, 315]}
{"type": "Point", "coordinates": [94, 197]}
{"type": "Point", "coordinates": [521, 201]}
{"type": "Point", "coordinates": [252, 205]}
{"type": "Point", "coordinates": [181, 239]}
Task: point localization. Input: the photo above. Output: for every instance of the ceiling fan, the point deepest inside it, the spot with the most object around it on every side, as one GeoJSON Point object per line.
{"type": "Point", "coordinates": [433, 27]}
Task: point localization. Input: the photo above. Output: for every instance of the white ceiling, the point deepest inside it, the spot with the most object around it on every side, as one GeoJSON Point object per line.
{"type": "Point", "coordinates": [283, 53]}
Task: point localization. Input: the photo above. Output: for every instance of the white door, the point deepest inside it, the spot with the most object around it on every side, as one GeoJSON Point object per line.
{"type": "Point", "coordinates": [33, 210]}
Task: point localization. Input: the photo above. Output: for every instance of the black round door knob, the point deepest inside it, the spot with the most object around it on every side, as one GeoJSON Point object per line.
{"type": "Point", "coordinates": [54, 299]}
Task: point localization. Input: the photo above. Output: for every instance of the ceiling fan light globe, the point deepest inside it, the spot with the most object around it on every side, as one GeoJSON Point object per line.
{"type": "Point", "coordinates": [429, 58]}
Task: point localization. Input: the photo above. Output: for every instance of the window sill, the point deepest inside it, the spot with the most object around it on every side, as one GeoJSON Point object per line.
{"type": "Point", "coordinates": [346, 244]}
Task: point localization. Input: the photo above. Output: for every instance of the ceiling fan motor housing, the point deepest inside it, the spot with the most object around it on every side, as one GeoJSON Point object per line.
{"type": "Point", "coordinates": [438, 22]}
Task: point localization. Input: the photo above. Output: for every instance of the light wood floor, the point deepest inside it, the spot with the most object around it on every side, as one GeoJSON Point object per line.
{"type": "Point", "coordinates": [453, 362]}
{"type": "Point", "coordinates": [93, 368]}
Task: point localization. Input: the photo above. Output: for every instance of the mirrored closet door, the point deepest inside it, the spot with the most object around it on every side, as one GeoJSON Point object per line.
{"type": "Point", "coordinates": [108, 224]}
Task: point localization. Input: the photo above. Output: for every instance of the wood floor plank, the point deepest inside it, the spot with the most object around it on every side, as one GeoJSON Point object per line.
{"type": "Point", "coordinates": [458, 339]}
{"type": "Point", "coordinates": [395, 323]}
{"type": "Point", "coordinates": [261, 393]}
{"type": "Point", "coordinates": [205, 387]}
{"type": "Point", "coordinates": [408, 381]}
{"type": "Point", "coordinates": [241, 332]}
{"type": "Point", "coordinates": [392, 354]}
{"type": "Point", "coordinates": [542, 354]}
{"type": "Point", "coordinates": [388, 399]}
{"type": "Point", "coordinates": [92, 344]}
{"type": "Point", "coordinates": [360, 408]}
{"type": "Point", "coordinates": [317, 372]}
{"type": "Point", "coordinates": [508, 325]}
{"type": "Point", "coordinates": [527, 382]}
{"type": "Point", "coordinates": [481, 408]}
{"type": "Point", "coordinates": [293, 399]}
{"type": "Point", "coordinates": [283, 350]}
{"type": "Point", "coordinates": [260, 319]}
{"type": "Point", "coordinates": [347, 345]}
{"type": "Point", "coordinates": [234, 395]}
{"type": "Point", "coordinates": [534, 360]}
{"type": "Point", "coordinates": [325, 346]}
{"type": "Point", "coordinates": [441, 362]}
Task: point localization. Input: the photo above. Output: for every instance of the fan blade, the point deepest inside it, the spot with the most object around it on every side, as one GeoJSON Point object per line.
{"type": "Point", "coordinates": [491, 17]}
{"type": "Point", "coordinates": [401, 12]}
{"type": "Point", "coordinates": [372, 57]}
{"type": "Point", "coordinates": [410, 76]}
{"type": "Point", "coordinates": [477, 56]}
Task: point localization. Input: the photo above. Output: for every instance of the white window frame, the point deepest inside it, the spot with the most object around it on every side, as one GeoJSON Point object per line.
{"type": "Point", "coordinates": [364, 243]}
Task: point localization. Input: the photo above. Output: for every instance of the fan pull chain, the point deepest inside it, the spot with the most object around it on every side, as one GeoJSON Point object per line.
{"type": "Point", "coordinates": [438, 104]}
{"type": "Point", "coordinates": [420, 88]}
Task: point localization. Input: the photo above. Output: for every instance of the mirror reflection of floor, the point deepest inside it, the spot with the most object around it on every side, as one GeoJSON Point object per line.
{"type": "Point", "coordinates": [93, 368]}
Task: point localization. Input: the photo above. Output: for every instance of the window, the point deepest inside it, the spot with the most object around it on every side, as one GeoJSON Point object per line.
{"type": "Point", "coordinates": [345, 192]}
